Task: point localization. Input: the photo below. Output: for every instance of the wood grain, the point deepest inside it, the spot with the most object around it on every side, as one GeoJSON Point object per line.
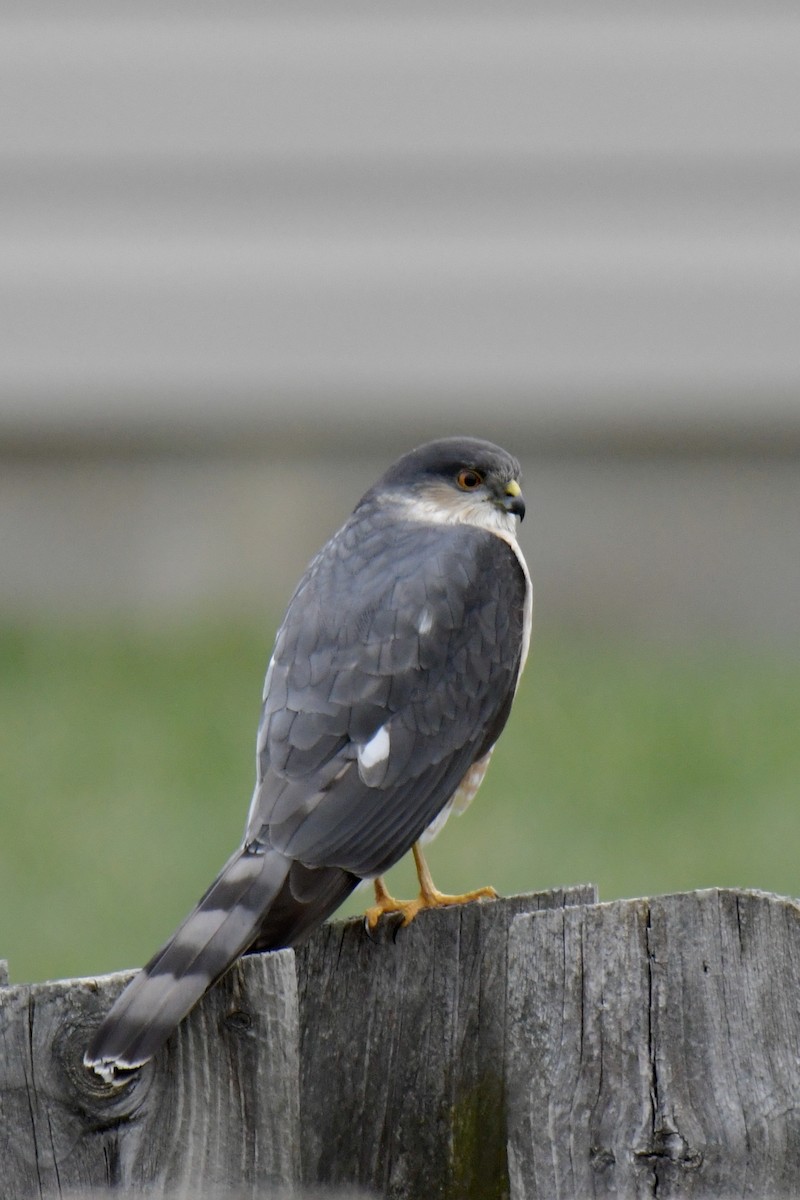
{"type": "Point", "coordinates": [653, 1049]}
{"type": "Point", "coordinates": [218, 1107]}
{"type": "Point", "coordinates": [539, 1048]}
{"type": "Point", "coordinates": [402, 1087]}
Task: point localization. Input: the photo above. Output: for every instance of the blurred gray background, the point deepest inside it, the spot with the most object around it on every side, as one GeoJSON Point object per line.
{"type": "Point", "coordinates": [249, 253]}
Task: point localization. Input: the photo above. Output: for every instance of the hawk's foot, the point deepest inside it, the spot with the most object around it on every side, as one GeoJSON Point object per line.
{"type": "Point", "coordinates": [433, 898]}
{"type": "Point", "coordinates": [386, 905]}
{"type": "Point", "coordinates": [429, 897]}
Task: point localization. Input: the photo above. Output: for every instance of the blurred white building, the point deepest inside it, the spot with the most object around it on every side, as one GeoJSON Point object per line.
{"type": "Point", "coordinates": [248, 253]}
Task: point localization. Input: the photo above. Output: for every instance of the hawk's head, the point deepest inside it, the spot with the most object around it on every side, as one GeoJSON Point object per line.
{"type": "Point", "coordinates": [455, 480]}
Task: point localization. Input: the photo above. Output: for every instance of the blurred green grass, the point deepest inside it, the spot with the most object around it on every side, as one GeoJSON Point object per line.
{"type": "Point", "coordinates": [128, 765]}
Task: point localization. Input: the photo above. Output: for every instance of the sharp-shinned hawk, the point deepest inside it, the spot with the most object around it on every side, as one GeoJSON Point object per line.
{"type": "Point", "coordinates": [392, 677]}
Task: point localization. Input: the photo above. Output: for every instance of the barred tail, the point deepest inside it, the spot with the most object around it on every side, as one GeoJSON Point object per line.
{"type": "Point", "coordinates": [222, 926]}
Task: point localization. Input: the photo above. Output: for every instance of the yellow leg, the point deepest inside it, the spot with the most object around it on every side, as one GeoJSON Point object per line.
{"type": "Point", "coordinates": [429, 896]}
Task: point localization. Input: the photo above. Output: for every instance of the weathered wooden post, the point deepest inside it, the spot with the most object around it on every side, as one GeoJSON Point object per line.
{"type": "Point", "coordinates": [219, 1108]}
{"type": "Point", "coordinates": [539, 1047]}
{"type": "Point", "coordinates": [653, 1048]}
{"type": "Point", "coordinates": [402, 1074]}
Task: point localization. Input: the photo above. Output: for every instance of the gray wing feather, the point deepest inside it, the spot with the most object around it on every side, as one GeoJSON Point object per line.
{"type": "Point", "coordinates": [354, 654]}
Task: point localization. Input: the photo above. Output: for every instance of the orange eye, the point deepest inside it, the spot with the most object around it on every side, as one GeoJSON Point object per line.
{"type": "Point", "coordinates": [468, 480]}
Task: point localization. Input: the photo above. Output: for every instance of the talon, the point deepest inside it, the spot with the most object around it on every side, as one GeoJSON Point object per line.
{"type": "Point", "coordinates": [369, 926]}
{"type": "Point", "coordinates": [385, 905]}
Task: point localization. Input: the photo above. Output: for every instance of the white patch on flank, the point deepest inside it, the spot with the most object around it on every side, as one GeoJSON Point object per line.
{"type": "Point", "coordinates": [425, 623]}
{"type": "Point", "coordinates": [461, 798]}
{"type": "Point", "coordinates": [467, 790]}
{"type": "Point", "coordinates": [373, 758]}
{"type": "Point", "coordinates": [437, 824]}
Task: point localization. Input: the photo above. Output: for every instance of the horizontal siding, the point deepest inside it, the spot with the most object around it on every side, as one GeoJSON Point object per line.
{"type": "Point", "coordinates": [241, 220]}
{"type": "Point", "coordinates": [357, 78]}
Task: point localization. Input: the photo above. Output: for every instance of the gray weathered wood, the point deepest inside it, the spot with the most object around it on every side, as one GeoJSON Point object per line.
{"type": "Point", "coordinates": [653, 1048]}
{"type": "Point", "coordinates": [538, 1047]}
{"type": "Point", "coordinates": [402, 1087]}
{"type": "Point", "coordinates": [223, 1192]}
{"type": "Point", "coordinates": [218, 1108]}
{"type": "Point", "coordinates": [3, 972]}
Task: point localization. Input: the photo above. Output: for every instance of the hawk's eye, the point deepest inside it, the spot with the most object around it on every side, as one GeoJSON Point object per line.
{"type": "Point", "coordinates": [468, 480]}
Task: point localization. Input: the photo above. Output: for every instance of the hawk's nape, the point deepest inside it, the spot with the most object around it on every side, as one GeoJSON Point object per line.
{"type": "Point", "coordinates": [391, 679]}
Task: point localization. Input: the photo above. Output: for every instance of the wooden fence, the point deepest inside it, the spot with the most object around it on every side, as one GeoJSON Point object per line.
{"type": "Point", "coordinates": [540, 1047]}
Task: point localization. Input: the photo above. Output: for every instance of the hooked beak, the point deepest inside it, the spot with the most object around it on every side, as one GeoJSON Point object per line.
{"type": "Point", "coordinates": [514, 501]}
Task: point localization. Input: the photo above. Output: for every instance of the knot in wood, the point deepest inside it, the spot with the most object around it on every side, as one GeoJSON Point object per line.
{"type": "Point", "coordinates": [601, 1158]}
{"type": "Point", "coordinates": [668, 1145]}
{"type": "Point", "coordinates": [238, 1021]}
